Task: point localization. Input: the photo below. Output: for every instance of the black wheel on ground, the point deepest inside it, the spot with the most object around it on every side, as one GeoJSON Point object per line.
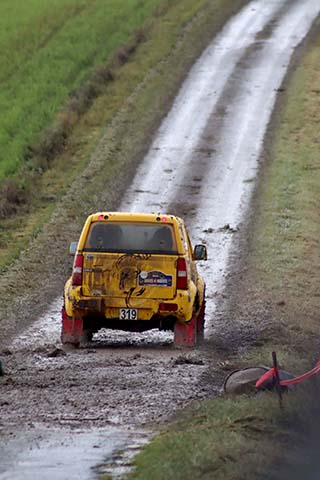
{"type": "Point", "coordinates": [67, 340]}
{"type": "Point", "coordinates": [86, 336]}
{"type": "Point", "coordinates": [200, 324]}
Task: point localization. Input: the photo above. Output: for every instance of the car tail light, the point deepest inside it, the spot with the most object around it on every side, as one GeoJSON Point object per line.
{"type": "Point", "coordinates": [77, 270]}
{"type": "Point", "coordinates": [182, 276]}
{"type": "Point", "coordinates": [168, 307]}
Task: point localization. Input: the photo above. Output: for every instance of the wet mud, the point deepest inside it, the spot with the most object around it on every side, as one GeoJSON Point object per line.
{"type": "Point", "coordinates": [107, 383]}
{"type": "Point", "coordinates": [96, 404]}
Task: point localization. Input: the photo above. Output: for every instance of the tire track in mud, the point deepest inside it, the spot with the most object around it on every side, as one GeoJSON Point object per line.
{"type": "Point", "coordinates": [173, 152]}
{"type": "Point", "coordinates": [200, 166]}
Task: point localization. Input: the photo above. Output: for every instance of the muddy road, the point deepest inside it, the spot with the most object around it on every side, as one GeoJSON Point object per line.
{"type": "Point", "coordinates": [65, 412]}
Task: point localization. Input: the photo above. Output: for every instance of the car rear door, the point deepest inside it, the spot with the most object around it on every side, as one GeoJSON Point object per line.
{"type": "Point", "coordinates": [130, 259]}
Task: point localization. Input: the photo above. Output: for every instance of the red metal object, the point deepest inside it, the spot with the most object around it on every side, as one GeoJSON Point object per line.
{"type": "Point", "coordinates": [185, 335]}
{"type": "Point", "coordinates": [72, 329]}
{"type": "Point", "coordinates": [293, 381]}
{"type": "Point", "coordinates": [265, 377]}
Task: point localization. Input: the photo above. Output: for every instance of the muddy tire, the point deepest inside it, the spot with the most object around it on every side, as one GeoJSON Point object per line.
{"type": "Point", "coordinates": [200, 324]}
{"type": "Point", "coordinates": [86, 336]}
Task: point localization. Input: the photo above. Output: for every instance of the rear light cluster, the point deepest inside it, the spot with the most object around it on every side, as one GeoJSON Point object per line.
{"type": "Point", "coordinates": [182, 276]}
{"type": "Point", "coordinates": [77, 270]}
{"type": "Point", "coordinates": [168, 307]}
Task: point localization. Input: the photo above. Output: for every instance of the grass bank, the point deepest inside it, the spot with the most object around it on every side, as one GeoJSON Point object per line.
{"type": "Point", "coordinates": [224, 439]}
{"type": "Point", "coordinates": [47, 51]}
{"type": "Point", "coordinates": [276, 286]}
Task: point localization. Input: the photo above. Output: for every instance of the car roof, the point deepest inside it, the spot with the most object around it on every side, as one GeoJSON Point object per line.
{"type": "Point", "coordinates": [135, 217]}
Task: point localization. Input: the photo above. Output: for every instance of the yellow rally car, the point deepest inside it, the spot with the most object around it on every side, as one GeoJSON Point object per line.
{"type": "Point", "coordinates": [134, 272]}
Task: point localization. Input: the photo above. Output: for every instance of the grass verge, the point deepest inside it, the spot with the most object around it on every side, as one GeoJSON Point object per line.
{"type": "Point", "coordinates": [223, 439]}
{"type": "Point", "coordinates": [48, 50]}
{"type": "Point", "coordinates": [276, 287]}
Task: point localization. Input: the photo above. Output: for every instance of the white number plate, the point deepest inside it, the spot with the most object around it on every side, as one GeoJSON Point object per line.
{"type": "Point", "coordinates": [128, 314]}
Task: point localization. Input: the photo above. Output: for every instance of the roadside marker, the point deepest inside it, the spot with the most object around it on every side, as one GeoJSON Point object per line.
{"type": "Point", "coordinates": [276, 378]}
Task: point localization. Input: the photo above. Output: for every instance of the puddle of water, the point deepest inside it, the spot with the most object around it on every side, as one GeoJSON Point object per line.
{"type": "Point", "coordinates": [120, 463]}
{"type": "Point", "coordinates": [57, 454]}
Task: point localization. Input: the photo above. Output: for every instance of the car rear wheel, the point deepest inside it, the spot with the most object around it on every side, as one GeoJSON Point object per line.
{"type": "Point", "coordinates": [86, 336]}
{"type": "Point", "coordinates": [200, 324]}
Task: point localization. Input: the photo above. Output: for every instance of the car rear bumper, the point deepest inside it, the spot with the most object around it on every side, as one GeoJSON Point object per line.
{"type": "Point", "coordinates": [180, 306]}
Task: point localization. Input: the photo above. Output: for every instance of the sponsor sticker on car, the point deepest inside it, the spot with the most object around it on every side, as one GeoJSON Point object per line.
{"type": "Point", "coordinates": [154, 278]}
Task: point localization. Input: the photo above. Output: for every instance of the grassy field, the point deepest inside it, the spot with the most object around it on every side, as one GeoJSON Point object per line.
{"type": "Point", "coordinates": [249, 436]}
{"type": "Point", "coordinates": [47, 51]}
{"type": "Point", "coordinates": [175, 34]}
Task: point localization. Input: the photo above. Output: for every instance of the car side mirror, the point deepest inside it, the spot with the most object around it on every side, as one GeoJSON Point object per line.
{"type": "Point", "coordinates": [73, 248]}
{"type": "Point", "coordinates": [200, 252]}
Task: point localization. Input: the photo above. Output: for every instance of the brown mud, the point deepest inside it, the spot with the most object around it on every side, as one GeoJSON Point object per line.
{"type": "Point", "coordinates": [107, 383]}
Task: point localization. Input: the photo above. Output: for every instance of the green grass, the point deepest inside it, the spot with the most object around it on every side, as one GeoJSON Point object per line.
{"type": "Point", "coordinates": [48, 50]}
{"type": "Point", "coordinates": [285, 244]}
{"type": "Point", "coordinates": [225, 439]}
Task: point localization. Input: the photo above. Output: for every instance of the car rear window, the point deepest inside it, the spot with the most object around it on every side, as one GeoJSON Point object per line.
{"type": "Point", "coordinates": [131, 238]}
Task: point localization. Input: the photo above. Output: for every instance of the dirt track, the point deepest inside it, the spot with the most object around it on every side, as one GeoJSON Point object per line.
{"type": "Point", "coordinates": [122, 381]}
